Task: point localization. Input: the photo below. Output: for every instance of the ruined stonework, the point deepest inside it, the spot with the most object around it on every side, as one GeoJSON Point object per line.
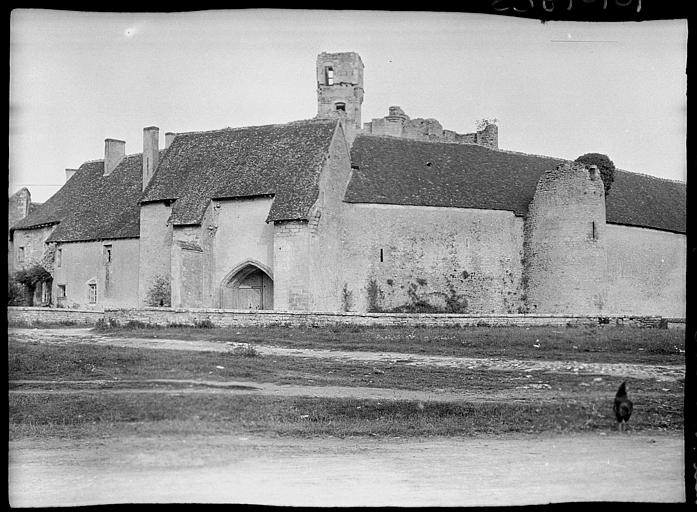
{"type": "Point", "coordinates": [565, 239]}
{"type": "Point", "coordinates": [398, 124]}
{"type": "Point", "coordinates": [340, 87]}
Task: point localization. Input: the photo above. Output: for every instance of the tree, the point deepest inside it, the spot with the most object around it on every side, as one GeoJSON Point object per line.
{"type": "Point", "coordinates": [604, 165]}
{"type": "Point", "coordinates": [31, 276]}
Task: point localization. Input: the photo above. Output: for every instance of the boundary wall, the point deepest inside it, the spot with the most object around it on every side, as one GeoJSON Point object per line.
{"type": "Point", "coordinates": [244, 318]}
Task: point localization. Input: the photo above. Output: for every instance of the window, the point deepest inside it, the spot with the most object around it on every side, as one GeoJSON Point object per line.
{"type": "Point", "coordinates": [341, 107]}
{"type": "Point", "coordinates": [107, 254]}
{"type": "Point", "coordinates": [381, 256]}
{"type": "Point", "coordinates": [61, 291]}
{"type": "Point", "coordinates": [92, 293]}
{"type": "Point", "coordinates": [20, 254]}
{"type": "Point", "coordinates": [59, 257]}
{"type": "Point", "coordinates": [329, 75]}
{"type": "Point", "coordinates": [594, 231]}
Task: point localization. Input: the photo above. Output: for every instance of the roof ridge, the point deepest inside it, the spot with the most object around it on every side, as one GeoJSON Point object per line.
{"type": "Point", "coordinates": [236, 128]}
{"type": "Point", "coordinates": [680, 182]}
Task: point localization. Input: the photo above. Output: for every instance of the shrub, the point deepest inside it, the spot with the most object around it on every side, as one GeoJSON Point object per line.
{"type": "Point", "coordinates": [159, 294]}
{"type": "Point", "coordinates": [204, 324]}
{"type": "Point", "coordinates": [346, 298]}
{"type": "Point", "coordinates": [605, 166]}
{"type": "Point", "coordinates": [375, 296]}
{"type": "Point", "coordinates": [16, 293]}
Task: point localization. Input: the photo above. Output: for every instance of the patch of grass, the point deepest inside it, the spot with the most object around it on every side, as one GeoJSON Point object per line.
{"type": "Point", "coordinates": [22, 324]}
{"type": "Point", "coordinates": [41, 361]}
{"type": "Point", "coordinates": [584, 344]}
{"type": "Point", "coordinates": [305, 416]}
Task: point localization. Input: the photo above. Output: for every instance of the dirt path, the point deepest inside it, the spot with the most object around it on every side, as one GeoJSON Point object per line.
{"type": "Point", "coordinates": [183, 386]}
{"type": "Point", "coordinates": [346, 472]}
{"type": "Point", "coordinates": [666, 373]}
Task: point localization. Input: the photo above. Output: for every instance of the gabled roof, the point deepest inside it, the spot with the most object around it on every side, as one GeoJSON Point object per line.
{"type": "Point", "coordinates": [391, 170]}
{"type": "Point", "coordinates": [91, 206]}
{"type": "Point", "coordinates": [280, 160]}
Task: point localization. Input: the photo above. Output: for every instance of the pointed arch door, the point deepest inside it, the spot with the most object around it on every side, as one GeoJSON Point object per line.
{"type": "Point", "coordinates": [250, 288]}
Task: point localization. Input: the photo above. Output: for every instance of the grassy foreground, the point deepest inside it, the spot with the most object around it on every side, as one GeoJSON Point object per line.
{"type": "Point", "coordinates": [40, 413]}
{"type": "Point", "coordinates": [609, 344]}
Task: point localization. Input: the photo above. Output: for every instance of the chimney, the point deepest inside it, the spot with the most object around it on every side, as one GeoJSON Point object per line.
{"type": "Point", "coordinates": [114, 151]}
{"type": "Point", "coordinates": [151, 152]}
{"type": "Point", "coordinates": [69, 173]}
{"type": "Point", "coordinates": [169, 137]}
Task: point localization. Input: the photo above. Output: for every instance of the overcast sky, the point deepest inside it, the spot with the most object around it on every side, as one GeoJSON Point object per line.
{"type": "Point", "coordinates": [559, 88]}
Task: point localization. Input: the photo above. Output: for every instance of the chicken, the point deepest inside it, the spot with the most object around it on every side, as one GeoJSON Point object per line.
{"type": "Point", "coordinates": [623, 407]}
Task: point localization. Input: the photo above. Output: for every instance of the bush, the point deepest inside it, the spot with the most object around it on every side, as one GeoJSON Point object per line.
{"type": "Point", "coordinates": [16, 293]}
{"type": "Point", "coordinates": [605, 166]}
{"type": "Point", "coordinates": [159, 294]}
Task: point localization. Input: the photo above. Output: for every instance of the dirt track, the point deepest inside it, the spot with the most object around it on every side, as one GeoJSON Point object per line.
{"type": "Point", "coordinates": [347, 472]}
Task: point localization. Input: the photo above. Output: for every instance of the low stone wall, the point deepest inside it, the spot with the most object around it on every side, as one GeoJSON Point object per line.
{"type": "Point", "coordinates": [35, 315]}
{"type": "Point", "coordinates": [229, 318]}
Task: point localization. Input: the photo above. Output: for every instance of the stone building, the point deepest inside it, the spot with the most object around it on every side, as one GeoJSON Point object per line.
{"type": "Point", "coordinates": [328, 214]}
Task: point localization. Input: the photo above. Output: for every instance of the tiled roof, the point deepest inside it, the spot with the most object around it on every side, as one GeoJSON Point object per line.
{"type": "Point", "coordinates": [91, 206]}
{"type": "Point", "coordinates": [280, 160]}
{"type": "Point", "coordinates": [396, 171]}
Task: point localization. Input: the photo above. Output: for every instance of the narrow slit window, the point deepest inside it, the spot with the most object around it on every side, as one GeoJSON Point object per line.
{"type": "Point", "coordinates": [381, 258]}
{"type": "Point", "coordinates": [107, 254]}
{"type": "Point", "coordinates": [594, 232]}
{"type": "Point", "coordinates": [20, 254]}
{"type": "Point", "coordinates": [59, 258]}
{"type": "Point", "coordinates": [329, 75]}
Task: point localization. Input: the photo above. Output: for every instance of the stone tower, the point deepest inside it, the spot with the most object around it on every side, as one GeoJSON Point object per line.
{"type": "Point", "coordinates": [564, 243]}
{"type": "Point", "coordinates": [340, 87]}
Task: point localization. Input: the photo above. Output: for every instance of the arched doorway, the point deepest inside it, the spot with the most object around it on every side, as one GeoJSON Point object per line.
{"type": "Point", "coordinates": [248, 288]}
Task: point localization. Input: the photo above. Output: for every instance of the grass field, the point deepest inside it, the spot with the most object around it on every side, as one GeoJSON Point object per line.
{"type": "Point", "coordinates": [659, 406]}
{"type": "Point", "coordinates": [602, 343]}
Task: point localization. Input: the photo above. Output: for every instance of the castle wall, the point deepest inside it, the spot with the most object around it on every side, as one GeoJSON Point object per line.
{"type": "Point", "coordinates": [33, 243]}
{"type": "Point", "coordinates": [81, 263]}
{"type": "Point", "coordinates": [241, 235]}
{"type": "Point", "coordinates": [155, 246]}
{"type": "Point", "coordinates": [646, 271]}
{"type": "Point", "coordinates": [291, 264]}
{"type": "Point", "coordinates": [457, 260]}
{"type": "Point", "coordinates": [565, 240]}
{"type": "Point", "coordinates": [326, 221]}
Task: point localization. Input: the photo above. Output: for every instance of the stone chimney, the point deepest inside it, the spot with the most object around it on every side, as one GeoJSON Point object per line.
{"type": "Point", "coordinates": [151, 152]}
{"type": "Point", "coordinates": [169, 137]}
{"type": "Point", "coordinates": [114, 151]}
{"type": "Point", "coordinates": [69, 173]}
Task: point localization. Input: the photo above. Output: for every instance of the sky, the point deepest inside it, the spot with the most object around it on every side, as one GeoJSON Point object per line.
{"type": "Point", "coordinates": [560, 89]}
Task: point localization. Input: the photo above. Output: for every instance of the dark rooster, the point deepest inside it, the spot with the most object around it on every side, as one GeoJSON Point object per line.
{"type": "Point", "coordinates": [623, 407]}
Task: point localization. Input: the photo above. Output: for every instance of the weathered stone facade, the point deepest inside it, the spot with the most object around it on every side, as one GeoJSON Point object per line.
{"type": "Point", "coordinates": [263, 218]}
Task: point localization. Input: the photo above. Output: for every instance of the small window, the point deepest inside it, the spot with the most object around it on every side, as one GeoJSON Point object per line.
{"type": "Point", "coordinates": [20, 254]}
{"type": "Point", "coordinates": [329, 75]}
{"type": "Point", "coordinates": [92, 293]}
{"type": "Point", "coordinates": [61, 291]}
{"type": "Point", "coordinates": [594, 231]}
{"type": "Point", "coordinates": [381, 256]}
{"type": "Point", "coordinates": [59, 258]}
{"type": "Point", "coordinates": [107, 254]}
{"type": "Point", "coordinates": [341, 107]}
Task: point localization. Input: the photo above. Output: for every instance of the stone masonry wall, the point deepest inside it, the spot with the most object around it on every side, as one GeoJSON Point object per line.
{"type": "Point", "coordinates": [327, 217]}
{"type": "Point", "coordinates": [470, 259]}
{"type": "Point", "coordinates": [291, 264]}
{"type": "Point", "coordinates": [155, 246]}
{"type": "Point", "coordinates": [646, 271]}
{"type": "Point", "coordinates": [565, 239]}
{"type": "Point", "coordinates": [85, 262]}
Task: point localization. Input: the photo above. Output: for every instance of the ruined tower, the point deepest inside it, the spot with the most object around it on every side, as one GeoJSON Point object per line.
{"type": "Point", "coordinates": [340, 87]}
